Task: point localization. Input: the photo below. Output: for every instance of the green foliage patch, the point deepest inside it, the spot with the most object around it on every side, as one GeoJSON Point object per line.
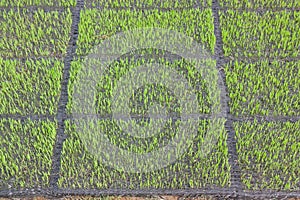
{"type": "Point", "coordinates": [26, 152]}
{"type": "Point", "coordinates": [98, 25]}
{"type": "Point", "coordinates": [270, 88]}
{"type": "Point", "coordinates": [144, 97]}
{"type": "Point", "coordinates": [81, 169]}
{"type": "Point", "coordinates": [27, 33]}
{"type": "Point", "coordinates": [256, 35]}
{"type": "Point", "coordinates": [21, 3]}
{"type": "Point", "coordinates": [148, 3]}
{"type": "Point", "coordinates": [258, 4]}
{"type": "Point", "coordinates": [268, 154]}
{"type": "Point", "coordinates": [30, 86]}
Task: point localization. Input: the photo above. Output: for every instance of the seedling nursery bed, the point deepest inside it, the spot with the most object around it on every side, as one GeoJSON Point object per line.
{"type": "Point", "coordinates": [246, 142]}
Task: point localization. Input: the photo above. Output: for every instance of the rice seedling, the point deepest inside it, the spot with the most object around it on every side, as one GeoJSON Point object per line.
{"type": "Point", "coordinates": [254, 35]}
{"type": "Point", "coordinates": [20, 3]}
{"type": "Point", "coordinates": [148, 3]}
{"type": "Point", "coordinates": [96, 25]}
{"type": "Point", "coordinates": [259, 4]}
{"type": "Point", "coordinates": [26, 152]}
{"type": "Point", "coordinates": [144, 97]}
{"type": "Point", "coordinates": [270, 88]}
{"type": "Point", "coordinates": [81, 169]}
{"type": "Point", "coordinates": [272, 161]}
{"type": "Point", "coordinates": [30, 86]}
{"type": "Point", "coordinates": [260, 82]}
{"type": "Point", "coordinates": [26, 33]}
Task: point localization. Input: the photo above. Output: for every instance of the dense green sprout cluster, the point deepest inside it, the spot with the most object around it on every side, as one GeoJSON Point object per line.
{"type": "Point", "coordinates": [260, 39]}
{"type": "Point", "coordinates": [80, 169]}
{"type": "Point", "coordinates": [21, 3]}
{"type": "Point", "coordinates": [26, 33]}
{"type": "Point", "coordinates": [270, 88]}
{"type": "Point", "coordinates": [96, 26]}
{"type": "Point", "coordinates": [30, 86]}
{"type": "Point", "coordinates": [260, 4]}
{"type": "Point", "coordinates": [144, 97]}
{"type": "Point", "coordinates": [262, 78]}
{"type": "Point", "coordinates": [148, 3]}
{"type": "Point", "coordinates": [26, 152]}
{"type": "Point", "coordinates": [34, 35]}
{"type": "Point", "coordinates": [268, 154]}
{"type": "Point", "coordinates": [254, 35]}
